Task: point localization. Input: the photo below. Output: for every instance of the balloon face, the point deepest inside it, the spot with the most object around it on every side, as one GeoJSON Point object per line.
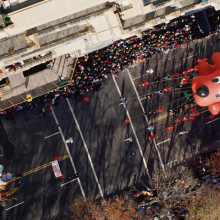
{"type": "Point", "coordinates": [206, 89]}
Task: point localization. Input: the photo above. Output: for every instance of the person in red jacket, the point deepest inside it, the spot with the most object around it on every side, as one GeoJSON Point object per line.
{"type": "Point", "coordinates": [144, 84]}
{"type": "Point", "coordinates": [126, 121]}
{"type": "Point", "coordinates": [86, 99]}
{"type": "Point", "coordinates": [159, 110]}
{"type": "Point", "coordinates": [170, 127]}
{"type": "Point", "coordinates": [153, 136]}
{"type": "Point", "coordinates": [177, 120]}
{"type": "Point", "coordinates": [184, 119]}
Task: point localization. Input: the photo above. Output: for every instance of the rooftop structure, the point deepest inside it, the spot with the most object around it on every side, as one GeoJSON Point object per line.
{"type": "Point", "coordinates": [44, 30]}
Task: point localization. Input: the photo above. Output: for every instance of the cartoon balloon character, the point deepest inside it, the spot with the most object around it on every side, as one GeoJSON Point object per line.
{"type": "Point", "coordinates": [206, 87]}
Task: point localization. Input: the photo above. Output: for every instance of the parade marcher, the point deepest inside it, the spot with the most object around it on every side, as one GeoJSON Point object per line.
{"type": "Point", "coordinates": [86, 99]}
{"type": "Point", "coordinates": [150, 96]}
{"type": "Point", "coordinates": [130, 139]}
{"type": "Point", "coordinates": [210, 117]}
{"type": "Point", "coordinates": [124, 99]}
{"type": "Point", "coordinates": [126, 121]}
{"type": "Point", "coordinates": [175, 75]}
{"type": "Point", "coordinates": [153, 136]}
{"type": "Point", "coordinates": [192, 110]}
{"type": "Point", "coordinates": [159, 92]}
{"type": "Point", "coordinates": [147, 113]}
{"type": "Point", "coordinates": [159, 110]}
{"type": "Point", "coordinates": [70, 140]}
{"type": "Point", "coordinates": [195, 113]}
{"type": "Point", "coordinates": [8, 196]}
{"type": "Point", "coordinates": [184, 119]}
{"type": "Point", "coordinates": [191, 117]}
{"type": "Point", "coordinates": [170, 127]}
{"type": "Point", "coordinates": [150, 71]}
{"type": "Point", "coordinates": [144, 84]}
{"type": "Point", "coordinates": [151, 128]}
{"type": "Point", "coordinates": [166, 89]}
{"type": "Point", "coordinates": [133, 153]}
{"type": "Point", "coordinates": [21, 181]}
{"type": "Point", "coordinates": [177, 120]}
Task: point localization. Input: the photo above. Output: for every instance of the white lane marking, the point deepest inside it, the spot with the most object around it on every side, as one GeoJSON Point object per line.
{"type": "Point", "coordinates": [163, 142]}
{"type": "Point", "coordinates": [54, 115]}
{"type": "Point", "coordinates": [52, 135]}
{"type": "Point", "coordinates": [15, 206]}
{"type": "Point", "coordinates": [71, 159]}
{"type": "Point", "coordinates": [211, 121]}
{"type": "Point", "coordinates": [171, 162]}
{"type": "Point", "coordinates": [142, 107]}
{"type": "Point", "coordinates": [69, 182]}
{"type": "Point", "coordinates": [86, 148]}
{"type": "Point", "coordinates": [136, 138]}
{"type": "Point", "coordinates": [189, 57]}
{"type": "Point", "coordinates": [140, 76]}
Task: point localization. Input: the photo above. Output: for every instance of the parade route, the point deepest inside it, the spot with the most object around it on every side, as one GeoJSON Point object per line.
{"type": "Point", "coordinates": [99, 152]}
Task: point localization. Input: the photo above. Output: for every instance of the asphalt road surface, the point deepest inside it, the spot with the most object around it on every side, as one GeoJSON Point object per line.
{"type": "Point", "coordinates": [99, 152]}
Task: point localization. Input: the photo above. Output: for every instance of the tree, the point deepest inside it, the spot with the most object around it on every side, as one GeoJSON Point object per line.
{"type": "Point", "coordinates": [214, 162]}
{"type": "Point", "coordinates": [117, 209]}
{"type": "Point", "coordinates": [6, 19]}
{"type": "Point", "coordinates": [205, 206]}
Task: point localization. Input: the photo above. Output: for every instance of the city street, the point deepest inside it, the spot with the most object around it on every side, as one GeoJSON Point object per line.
{"type": "Point", "coordinates": [99, 152]}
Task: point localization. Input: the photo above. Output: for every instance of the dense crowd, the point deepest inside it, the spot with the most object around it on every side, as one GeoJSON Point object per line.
{"type": "Point", "coordinates": [93, 68]}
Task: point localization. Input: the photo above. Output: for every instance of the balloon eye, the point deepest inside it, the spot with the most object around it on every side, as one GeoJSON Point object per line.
{"type": "Point", "coordinates": [216, 79]}
{"type": "Point", "coordinates": [218, 95]}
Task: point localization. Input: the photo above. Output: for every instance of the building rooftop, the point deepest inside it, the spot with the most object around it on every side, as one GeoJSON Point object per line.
{"type": "Point", "coordinates": [47, 11]}
{"type": "Point", "coordinates": [59, 35]}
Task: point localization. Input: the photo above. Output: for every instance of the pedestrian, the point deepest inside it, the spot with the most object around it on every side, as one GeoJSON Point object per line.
{"type": "Point", "coordinates": [183, 132]}
{"type": "Point", "coordinates": [22, 181]}
{"type": "Point", "coordinates": [133, 153]}
{"type": "Point", "coordinates": [70, 140]}
{"type": "Point", "coordinates": [130, 139]}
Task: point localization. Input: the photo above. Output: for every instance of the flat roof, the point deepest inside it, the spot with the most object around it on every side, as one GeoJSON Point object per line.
{"type": "Point", "coordinates": [47, 11]}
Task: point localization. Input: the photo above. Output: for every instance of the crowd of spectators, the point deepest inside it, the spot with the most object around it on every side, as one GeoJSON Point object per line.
{"type": "Point", "coordinates": [91, 69]}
